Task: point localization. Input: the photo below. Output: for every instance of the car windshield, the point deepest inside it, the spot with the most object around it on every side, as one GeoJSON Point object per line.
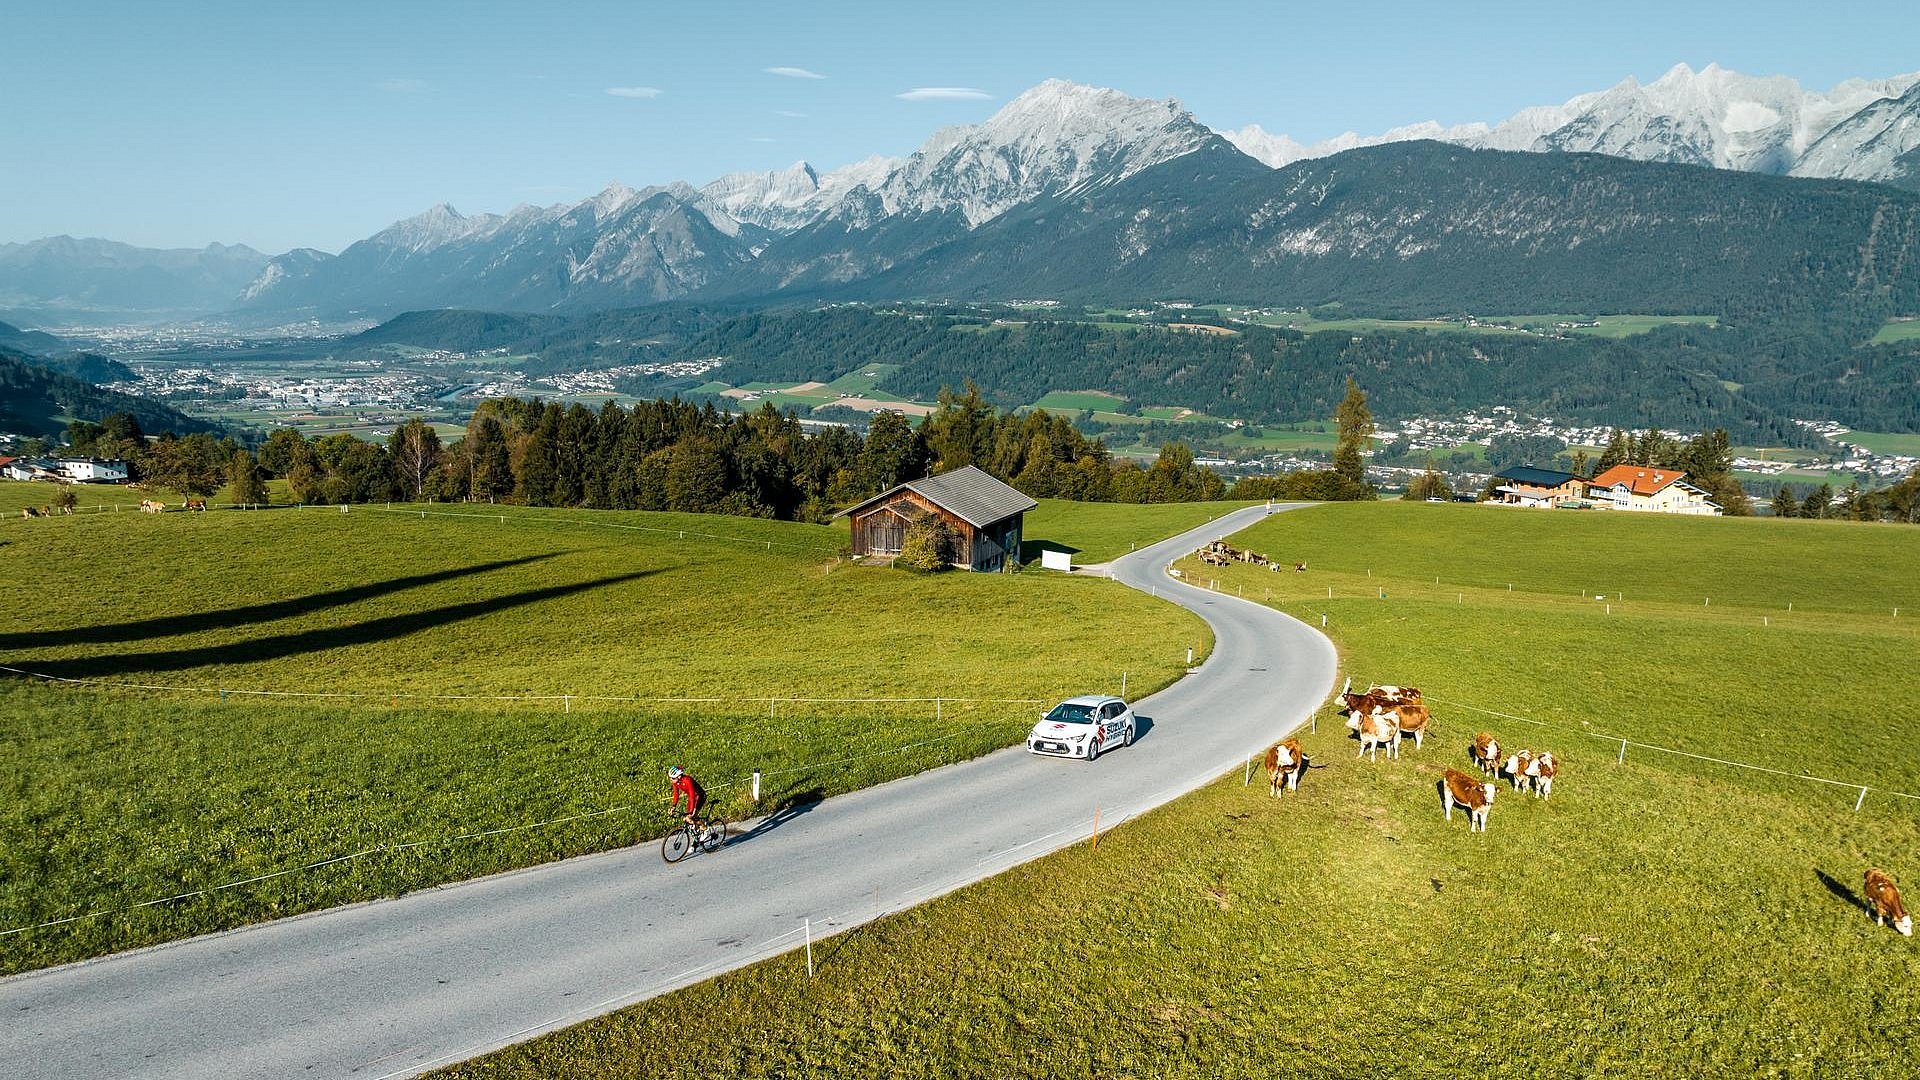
{"type": "Point", "coordinates": [1069, 713]}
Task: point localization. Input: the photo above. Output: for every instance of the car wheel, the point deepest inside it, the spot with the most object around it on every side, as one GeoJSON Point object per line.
{"type": "Point", "coordinates": [1127, 740]}
{"type": "Point", "coordinates": [1093, 747]}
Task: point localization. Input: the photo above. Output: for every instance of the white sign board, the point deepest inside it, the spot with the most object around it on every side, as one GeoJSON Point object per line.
{"type": "Point", "coordinates": [1056, 560]}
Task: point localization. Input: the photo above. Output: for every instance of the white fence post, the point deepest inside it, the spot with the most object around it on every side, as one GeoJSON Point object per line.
{"type": "Point", "coordinates": [1861, 801]}
{"type": "Point", "coordinates": [808, 927]}
{"type": "Point", "coordinates": [1622, 759]}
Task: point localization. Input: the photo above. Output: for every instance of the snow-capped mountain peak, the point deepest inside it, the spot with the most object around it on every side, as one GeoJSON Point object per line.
{"type": "Point", "coordinates": [1714, 117]}
{"type": "Point", "coordinates": [1054, 138]}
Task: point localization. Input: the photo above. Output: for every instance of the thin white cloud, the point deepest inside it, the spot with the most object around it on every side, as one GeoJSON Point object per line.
{"type": "Point", "coordinates": [790, 113]}
{"type": "Point", "coordinates": [402, 86]}
{"type": "Point", "coordinates": [758, 138]}
{"type": "Point", "coordinates": [635, 91]}
{"type": "Point", "coordinates": [793, 73]}
{"type": "Point", "coordinates": [944, 93]}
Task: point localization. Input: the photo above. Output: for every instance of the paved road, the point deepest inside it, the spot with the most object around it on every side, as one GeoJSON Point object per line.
{"type": "Point", "coordinates": [395, 987]}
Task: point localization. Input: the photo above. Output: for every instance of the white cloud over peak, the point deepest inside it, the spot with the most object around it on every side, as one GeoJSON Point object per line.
{"type": "Point", "coordinates": [635, 91]}
{"type": "Point", "coordinates": [944, 93]}
{"type": "Point", "coordinates": [793, 72]}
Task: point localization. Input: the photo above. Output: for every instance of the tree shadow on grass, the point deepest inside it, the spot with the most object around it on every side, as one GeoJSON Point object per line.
{"type": "Point", "coordinates": [199, 622]}
{"type": "Point", "coordinates": [1843, 892]}
{"type": "Point", "coordinates": [1030, 549]}
{"type": "Point", "coordinates": [317, 640]}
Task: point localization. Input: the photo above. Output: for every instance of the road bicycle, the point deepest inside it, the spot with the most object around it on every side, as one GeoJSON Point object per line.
{"type": "Point", "coordinates": [699, 834]}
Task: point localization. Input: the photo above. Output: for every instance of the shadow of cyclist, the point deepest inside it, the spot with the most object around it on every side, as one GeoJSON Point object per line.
{"type": "Point", "coordinates": [790, 807]}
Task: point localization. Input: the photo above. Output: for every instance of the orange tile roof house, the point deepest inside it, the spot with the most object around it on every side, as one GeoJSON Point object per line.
{"type": "Point", "coordinates": [1650, 488]}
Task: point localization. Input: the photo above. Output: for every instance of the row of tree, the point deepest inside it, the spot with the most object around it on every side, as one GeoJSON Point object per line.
{"type": "Point", "coordinates": [1898, 502]}
{"type": "Point", "coordinates": [673, 455]}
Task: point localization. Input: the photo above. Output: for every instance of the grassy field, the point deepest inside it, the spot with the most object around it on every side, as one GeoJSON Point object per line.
{"type": "Point", "coordinates": [1076, 400]}
{"type": "Point", "coordinates": [1897, 330]}
{"type": "Point", "coordinates": [1657, 917]}
{"type": "Point", "coordinates": [104, 498]}
{"type": "Point", "coordinates": [1883, 442]}
{"type": "Point", "coordinates": [1613, 326]}
{"type": "Point", "coordinates": [117, 795]}
{"type": "Point", "coordinates": [1097, 532]}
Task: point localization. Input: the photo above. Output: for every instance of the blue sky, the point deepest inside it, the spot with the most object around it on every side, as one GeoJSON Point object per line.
{"type": "Point", "coordinates": [295, 124]}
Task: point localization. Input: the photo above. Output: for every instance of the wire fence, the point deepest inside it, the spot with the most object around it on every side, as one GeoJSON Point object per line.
{"type": "Point", "coordinates": [1626, 743]}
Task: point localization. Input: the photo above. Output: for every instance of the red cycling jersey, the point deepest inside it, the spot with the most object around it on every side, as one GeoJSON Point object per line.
{"type": "Point", "coordinates": [685, 785]}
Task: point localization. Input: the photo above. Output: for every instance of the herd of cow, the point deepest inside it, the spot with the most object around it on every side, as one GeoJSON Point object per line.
{"type": "Point", "coordinates": [1381, 716]}
{"type": "Point", "coordinates": [155, 506]}
{"type": "Point", "coordinates": [1221, 553]}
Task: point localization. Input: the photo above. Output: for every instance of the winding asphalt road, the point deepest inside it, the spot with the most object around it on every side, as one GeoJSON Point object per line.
{"type": "Point", "coordinates": [396, 987]}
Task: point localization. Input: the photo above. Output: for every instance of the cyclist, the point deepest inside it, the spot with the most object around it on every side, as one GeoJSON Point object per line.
{"type": "Point", "coordinates": [681, 784]}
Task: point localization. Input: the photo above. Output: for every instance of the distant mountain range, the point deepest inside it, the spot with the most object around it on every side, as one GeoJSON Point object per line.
{"type": "Point", "coordinates": [1076, 191]}
{"type": "Point", "coordinates": [63, 280]}
{"type": "Point", "coordinates": [1863, 129]}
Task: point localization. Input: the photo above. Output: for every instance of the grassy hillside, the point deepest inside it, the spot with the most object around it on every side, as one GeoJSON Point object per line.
{"type": "Point", "coordinates": [1098, 532]}
{"type": "Point", "coordinates": [413, 630]}
{"type": "Point", "coordinates": [1661, 916]}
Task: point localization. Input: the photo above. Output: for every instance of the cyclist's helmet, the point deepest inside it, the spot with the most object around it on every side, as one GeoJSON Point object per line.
{"type": "Point", "coordinates": [673, 772]}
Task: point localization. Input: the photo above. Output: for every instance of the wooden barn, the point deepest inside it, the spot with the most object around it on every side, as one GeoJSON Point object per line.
{"type": "Point", "coordinates": [985, 512]}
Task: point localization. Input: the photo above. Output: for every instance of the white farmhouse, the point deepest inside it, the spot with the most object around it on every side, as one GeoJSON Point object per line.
{"type": "Point", "coordinates": [1649, 488]}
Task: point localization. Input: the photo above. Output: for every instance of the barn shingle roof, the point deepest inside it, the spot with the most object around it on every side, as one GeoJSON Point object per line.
{"type": "Point", "coordinates": [967, 493]}
{"type": "Point", "coordinates": [1527, 474]}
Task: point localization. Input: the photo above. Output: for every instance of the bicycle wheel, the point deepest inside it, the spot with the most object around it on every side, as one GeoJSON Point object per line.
{"type": "Point", "coordinates": [713, 835]}
{"type": "Point", "coordinates": [675, 845]}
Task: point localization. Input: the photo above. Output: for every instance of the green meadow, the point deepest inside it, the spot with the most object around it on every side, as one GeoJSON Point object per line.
{"type": "Point", "coordinates": [1897, 330]}
{"type": "Point", "coordinates": [1099, 532]}
{"type": "Point", "coordinates": [1658, 916]}
{"type": "Point", "coordinates": [247, 692]}
{"type": "Point", "coordinates": [1882, 442]}
{"type": "Point", "coordinates": [1076, 400]}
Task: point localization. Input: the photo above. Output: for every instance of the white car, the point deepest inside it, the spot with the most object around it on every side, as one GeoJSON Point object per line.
{"type": "Point", "coordinates": [1083, 727]}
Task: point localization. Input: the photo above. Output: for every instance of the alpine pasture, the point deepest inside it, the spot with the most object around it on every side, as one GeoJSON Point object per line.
{"type": "Point", "coordinates": [248, 692]}
{"type": "Point", "coordinates": [1658, 915]}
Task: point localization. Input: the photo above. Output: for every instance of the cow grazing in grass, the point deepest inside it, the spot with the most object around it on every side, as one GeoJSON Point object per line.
{"type": "Point", "coordinates": [1516, 767]}
{"type": "Point", "coordinates": [1473, 796]}
{"type": "Point", "coordinates": [1541, 771]}
{"type": "Point", "coordinates": [1285, 762]}
{"type": "Point", "coordinates": [29, 512]}
{"type": "Point", "coordinates": [1375, 730]}
{"type": "Point", "coordinates": [196, 505]}
{"type": "Point", "coordinates": [1486, 752]}
{"type": "Point", "coordinates": [152, 506]}
{"type": "Point", "coordinates": [1885, 899]}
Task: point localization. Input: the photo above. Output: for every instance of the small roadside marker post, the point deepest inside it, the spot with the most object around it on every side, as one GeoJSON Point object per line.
{"type": "Point", "coordinates": [1248, 782]}
{"type": "Point", "coordinates": [1189, 656]}
{"type": "Point", "coordinates": [1622, 759]}
{"type": "Point", "coordinates": [1861, 801]}
{"type": "Point", "coordinates": [1096, 826]}
{"type": "Point", "coordinates": [808, 928]}
{"type": "Point", "coordinates": [756, 785]}
{"type": "Point", "coordinates": [1123, 686]}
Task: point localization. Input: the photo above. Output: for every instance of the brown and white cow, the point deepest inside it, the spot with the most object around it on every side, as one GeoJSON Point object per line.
{"type": "Point", "coordinates": [1542, 771]}
{"type": "Point", "coordinates": [1885, 899]}
{"type": "Point", "coordinates": [1410, 718]}
{"type": "Point", "coordinates": [1396, 695]}
{"type": "Point", "coordinates": [1285, 762]}
{"type": "Point", "coordinates": [1516, 767]}
{"type": "Point", "coordinates": [1375, 730]}
{"type": "Point", "coordinates": [1473, 796]}
{"type": "Point", "coordinates": [1486, 752]}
